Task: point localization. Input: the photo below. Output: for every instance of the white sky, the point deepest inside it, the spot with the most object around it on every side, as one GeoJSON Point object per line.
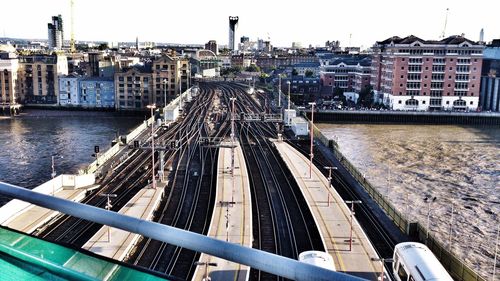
{"type": "Point", "coordinates": [197, 21]}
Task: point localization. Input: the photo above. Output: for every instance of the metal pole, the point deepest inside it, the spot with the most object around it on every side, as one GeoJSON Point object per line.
{"type": "Point", "coordinates": [53, 176]}
{"type": "Point", "coordinates": [312, 138]}
{"type": "Point", "coordinates": [180, 87]}
{"type": "Point", "coordinates": [288, 82]}
{"type": "Point", "coordinates": [496, 254]}
{"type": "Point", "coordinates": [279, 92]}
{"type": "Point", "coordinates": [352, 215]}
{"type": "Point", "coordinates": [152, 107]}
{"type": "Point", "coordinates": [232, 149]}
{"type": "Point", "coordinates": [451, 227]}
{"type": "Point", "coordinates": [350, 235]}
{"type": "Point", "coordinates": [271, 263]}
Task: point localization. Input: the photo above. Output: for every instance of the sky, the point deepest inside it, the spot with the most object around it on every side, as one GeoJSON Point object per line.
{"type": "Point", "coordinates": [354, 23]}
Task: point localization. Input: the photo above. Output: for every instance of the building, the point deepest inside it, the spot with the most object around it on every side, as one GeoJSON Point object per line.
{"type": "Point", "coordinates": [350, 73]}
{"type": "Point", "coordinates": [56, 33]}
{"type": "Point", "coordinates": [9, 65]}
{"type": "Point", "coordinates": [38, 77]}
{"type": "Point", "coordinates": [96, 92]}
{"type": "Point", "coordinates": [101, 65]}
{"type": "Point", "coordinates": [68, 91]}
{"type": "Point", "coordinates": [490, 78]}
{"type": "Point", "coordinates": [233, 25]}
{"type": "Point", "coordinates": [302, 89]}
{"type": "Point", "coordinates": [157, 82]}
{"type": "Point", "coordinates": [212, 46]}
{"type": "Point", "coordinates": [305, 68]}
{"type": "Point", "coordinates": [414, 74]}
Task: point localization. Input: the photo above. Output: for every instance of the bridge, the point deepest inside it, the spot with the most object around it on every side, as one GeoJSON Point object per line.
{"type": "Point", "coordinates": [207, 188]}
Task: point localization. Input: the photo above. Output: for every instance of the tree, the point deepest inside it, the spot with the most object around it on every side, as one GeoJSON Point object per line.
{"type": "Point", "coordinates": [366, 96]}
{"type": "Point", "coordinates": [309, 73]}
{"type": "Point", "coordinates": [103, 47]}
{"type": "Point", "coordinates": [295, 72]}
{"type": "Point", "coordinates": [253, 68]}
{"type": "Point", "coordinates": [338, 92]}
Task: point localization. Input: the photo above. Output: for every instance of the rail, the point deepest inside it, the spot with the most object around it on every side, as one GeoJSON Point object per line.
{"type": "Point", "coordinates": [261, 260]}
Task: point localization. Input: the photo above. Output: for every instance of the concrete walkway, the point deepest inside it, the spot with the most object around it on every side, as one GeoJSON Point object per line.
{"type": "Point", "coordinates": [119, 243]}
{"type": "Point", "coordinates": [238, 229]}
{"type": "Point", "coordinates": [332, 216]}
{"type": "Point", "coordinates": [35, 216]}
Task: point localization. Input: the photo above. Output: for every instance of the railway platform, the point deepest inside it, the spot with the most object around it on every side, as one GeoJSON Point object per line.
{"type": "Point", "coordinates": [28, 218]}
{"type": "Point", "coordinates": [232, 216]}
{"type": "Point", "coordinates": [333, 217]}
{"type": "Point", "coordinates": [116, 243]}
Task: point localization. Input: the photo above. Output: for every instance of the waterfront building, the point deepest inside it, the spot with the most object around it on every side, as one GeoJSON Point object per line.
{"type": "Point", "coordinates": [350, 73]}
{"type": "Point", "coordinates": [140, 85]}
{"type": "Point", "coordinates": [490, 78]}
{"type": "Point", "coordinates": [415, 74]}
{"type": "Point", "coordinates": [38, 77]}
{"type": "Point", "coordinates": [101, 65]}
{"type": "Point", "coordinates": [96, 92]}
{"type": "Point", "coordinates": [68, 91]}
{"type": "Point", "coordinates": [302, 89]}
{"type": "Point", "coordinates": [9, 65]}
{"type": "Point", "coordinates": [56, 33]}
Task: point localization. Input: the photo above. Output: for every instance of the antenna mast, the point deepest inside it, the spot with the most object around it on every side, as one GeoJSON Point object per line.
{"type": "Point", "coordinates": [72, 40]}
{"type": "Point", "coordinates": [445, 22]}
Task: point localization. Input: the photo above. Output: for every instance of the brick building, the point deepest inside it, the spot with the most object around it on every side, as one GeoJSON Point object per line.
{"type": "Point", "coordinates": [414, 74]}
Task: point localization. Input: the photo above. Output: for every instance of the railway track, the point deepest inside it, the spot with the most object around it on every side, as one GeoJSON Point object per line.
{"type": "Point", "coordinates": [282, 222]}
{"type": "Point", "coordinates": [126, 181]}
{"type": "Point", "coordinates": [189, 204]}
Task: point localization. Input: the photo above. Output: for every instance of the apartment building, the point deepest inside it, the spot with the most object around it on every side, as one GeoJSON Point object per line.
{"type": "Point", "coordinates": [346, 72]}
{"type": "Point", "coordinates": [157, 82]}
{"type": "Point", "coordinates": [9, 65]}
{"type": "Point", "coordinates": [414, 74]}
{"type": "Point", "coordinates": [38, 77]}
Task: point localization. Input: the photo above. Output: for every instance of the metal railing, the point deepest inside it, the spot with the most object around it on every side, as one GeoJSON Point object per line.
{"type": "Point", "coordinates": [455, 266]}
{"type": "Point", "coordinates": [274, 264]}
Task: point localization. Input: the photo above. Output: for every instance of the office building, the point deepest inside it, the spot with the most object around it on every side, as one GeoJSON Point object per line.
{"type": "Point", "coordinates": [56, 33]}
{"type": "Point", "coordinates": [414, 74]}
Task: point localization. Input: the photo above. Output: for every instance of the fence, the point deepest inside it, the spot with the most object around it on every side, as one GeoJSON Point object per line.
{"type": "Point", "coordinates": [456, 267]}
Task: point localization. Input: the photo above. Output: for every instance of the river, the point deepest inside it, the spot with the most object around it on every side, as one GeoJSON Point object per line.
{"type": "Point", "coordinates": [459, 165]}
{"type": "Point", "coordinates": [28, 141]}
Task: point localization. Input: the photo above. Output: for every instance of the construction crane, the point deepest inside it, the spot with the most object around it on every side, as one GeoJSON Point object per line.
{"type": "Point", "coordinates": [445, 22]}
{"type": "Point", "coordinates": [72, 40]}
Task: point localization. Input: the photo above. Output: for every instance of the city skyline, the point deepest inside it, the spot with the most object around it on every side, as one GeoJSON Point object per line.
{"type": "Point", "coordinates": [157, 22]}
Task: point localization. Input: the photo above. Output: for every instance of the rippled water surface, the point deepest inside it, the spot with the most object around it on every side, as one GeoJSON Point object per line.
{"type": "Point", "coordinates": [460, 166]}
{"type": "Point", "coordinates": [28, 141]}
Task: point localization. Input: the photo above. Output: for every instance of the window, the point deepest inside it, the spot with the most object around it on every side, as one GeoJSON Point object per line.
{"type": "Point", "coordinates": [400, 102]}
{"type": "Point", "coordinates": [423, 102]}
{"type": "Point", "coordinates": [448, 102]}
{"type": "Point", "coordinates": [471, 103]}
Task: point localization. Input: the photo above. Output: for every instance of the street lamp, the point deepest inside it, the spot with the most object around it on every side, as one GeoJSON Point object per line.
{"type": "Point", "coordinates": [152, 107]}
{"type": "Point", "coordinates": [330, 180]}
{"type": "Point", "coordinates": [279, 91]}
{"type": "Point", "coordinates": [165, 81]}
{"type": "Point", "coordinates": [206, 265]}
{"type": "Point", "coordinates": [429, 201]}
{"type": "Point", "coordinates": [312, 136]}
{"type": "Point", "coordinates": [383, 262]}
{"type": "Point", "coordinates": [288, 83]}
{"type": "Point", "coordinates": [108, 207]}
{"type": "Point", "coordinates": [352, 202]}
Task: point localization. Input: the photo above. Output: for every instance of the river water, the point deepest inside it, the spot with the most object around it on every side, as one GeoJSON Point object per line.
{"type": "Point", "coordinates": [28, 141]}
{"type": "Point", "coordinates": [458, 165]}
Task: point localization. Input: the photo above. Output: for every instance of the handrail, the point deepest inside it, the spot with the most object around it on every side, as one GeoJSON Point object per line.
{"type": "Point", "coordinates": [271, 263]}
